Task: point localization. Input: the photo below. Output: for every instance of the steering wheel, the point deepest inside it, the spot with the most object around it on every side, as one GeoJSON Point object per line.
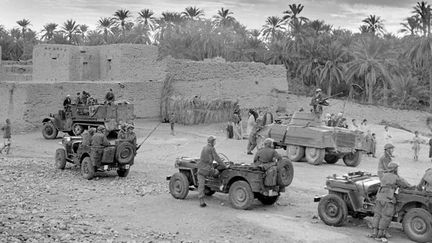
{"type": "Point", "coordinates": [224, 157]}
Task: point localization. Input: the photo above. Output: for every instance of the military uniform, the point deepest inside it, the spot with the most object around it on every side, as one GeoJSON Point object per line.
{"type": "Point", "coordinates": [385, 201]}
{"type": "Point", "coordinates": [131, 136]}
{"type": "Point", "coordinates": [266, 155]}
{"type": "Point", "coordinates": [109, 97]}
{"type": "Point", "coordinates": [98, 142]}
{"type": "Point", "coordinates": [86, 138]}
{"type": "Point", "coordinates": [316, 104]}
{"type": "Point", "coordinates": [383, 164]}
{"type": "Point", "coordinates": [7, 137]}
{"type": "Point", "coordinates": [205, 167]}
{"type": "Point", "coordinates": [426, 181]}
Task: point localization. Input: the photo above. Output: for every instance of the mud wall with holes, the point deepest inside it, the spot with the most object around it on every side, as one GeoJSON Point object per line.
{"type": "Point", "coordinates": [26, 104]}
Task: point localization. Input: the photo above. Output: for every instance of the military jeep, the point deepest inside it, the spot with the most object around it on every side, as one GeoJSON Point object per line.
{"type": "Point", "coordinates": [242, 182]}
{"type": "Point", "coordinates": [92, 159]}
{"type": "Point", "coordinates": [354, 194]}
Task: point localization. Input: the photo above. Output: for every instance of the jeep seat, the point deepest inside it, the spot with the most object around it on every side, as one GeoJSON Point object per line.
{"type": "Point", "coordinates": [187, 162]}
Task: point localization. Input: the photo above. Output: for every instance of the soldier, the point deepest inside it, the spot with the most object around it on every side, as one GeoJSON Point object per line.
{"type": "Point", "coordinates": [426, 181]}
{"type": "Point", "coordinates": [6, 136]}
{"type": "Point", "coordinates": [385, 159]}
{"type": "Point", "coordinates": [109, 97]}
{"type": "Point", "coordinates": [172, 120]}
{"type": "Point", "coordinates": [122, 132]}
{"type": "Point", "coordinates": [252, 139]}
{"type": "Point", "coordinates": [84, 97]}
{"type": "Point", "coordinates": [99, 138]}
{"type": "Point", "coordinates": [67, 102]}
{"type": "Point", "coordinates": [205, 167]}
{"type": "Point", "coordinates": [316, 102]}
{"type": "Point", "coordinates": [384, 209]}
{"type": "Point", "coordinates": [130, 134]}
{"type": "Point", "coordinates": [87, 136]}
{"type": "Point", "coordinates": [78, 99]}
{"type": "Point", "coordinates": [266, 155]}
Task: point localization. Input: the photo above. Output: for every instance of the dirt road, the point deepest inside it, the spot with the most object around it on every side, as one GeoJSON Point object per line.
{"type": "Point", "coordinates": [39, 203]}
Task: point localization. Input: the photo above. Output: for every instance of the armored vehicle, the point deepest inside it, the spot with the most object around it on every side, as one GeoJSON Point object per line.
{"type": "Point", "coordinates": [242, 182]}
{"type": "Point", "coordinates": [306, 137]}
{"type": "Point", "coordinates": [92, 159]}
{"type": "Point", "coordinates": [77, 118]}
{"type": "Point", "coordinates": [354, 194]}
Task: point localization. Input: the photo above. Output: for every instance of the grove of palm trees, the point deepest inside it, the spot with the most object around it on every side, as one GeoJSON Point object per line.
{"type": "Point", "coordinates": [371, 66]}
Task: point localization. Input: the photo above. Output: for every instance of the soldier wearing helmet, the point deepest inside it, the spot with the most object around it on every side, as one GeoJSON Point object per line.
{"type": "Point", "coordinates": [122, 132]}
{"type": "Point", "coordinates": [385, 159]}
{"type": "Point", "coordinates": [316, 103]}
{"type": "Point", "coordinates": [87, 136]}
{"type": "Point", "coordinates": [265, 156]}
{"type": "Point", "coordinates": [384, 209]}
{"type": "Point", "coordinates": [99, 138]}
{"type": "Point", "coordinates": [130, 134]}
{"type": "Point", "coordinates": [205, 166]}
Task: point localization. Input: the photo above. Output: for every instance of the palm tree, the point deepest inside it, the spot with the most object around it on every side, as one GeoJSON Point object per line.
{"type": "Point", "coordinates": [70, 27]}
{"type": "Point", "coordinates": [293, 12]}
{"type": "Point", "coordinates": [374, 24]}
{"type": "Point", "coordinates": [193, 13]}
{"type": "Point", "coordinates": [167, 23]}
{"type": "Point", "coordinates": [411, 25]}
{"type": "Point", "coordinates": [369, 64]}
{"type": "Point", "coordinates": [272, 25]}
{"type": "Point", "coordinates": [224, 18]}
{"type": "Point", "coordinates": [406, 89]}
{"type": "Point", "coordinates": [319, 26]}
{"type": "Point", "coordinates": [49, 30]}
{"type": "Point", "coordinates": [23, 23]}
{"type": "Point", "coordinates": [423, 11]}
{"type": "Point", "coordinates": [421, 55]}
{"type": "Point", "coordinates": [82, 30]}
{"type": "Point", "coordinates": [121, 16]}
{"type": "Point", "coordinates": [334, 67]}
{"type": "Point", "coordinates": [146, 18]}
{"type": "Point", "coordinates": [105, 25]}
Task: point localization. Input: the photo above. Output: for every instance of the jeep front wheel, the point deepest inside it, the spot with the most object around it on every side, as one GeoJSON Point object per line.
{"type": "Point", "coordinates": [295, 153]}
{"type": "Point", "coordinates": [60, 158]}
{"type": "Point", "coordinates": [179, 185]}
{"type": "Point", "coordinates": [49, 131]}
{"type": "Point", "coordinates": [241, 195]}
{"type": "Point", "coordinates": [352, 159]}
{"type": "Point", "coordinates": [332, 210]}
{"type": "Point", "coordinates": [123, 172]}
{"type": "Point", "coordinates": [314, 156]}
{"type": "Point", "coordinates": [417, 224]}
{"type": "Point", "coordinates": [87, 169]}
{"type": "Point", "coordinates": [267, 200]}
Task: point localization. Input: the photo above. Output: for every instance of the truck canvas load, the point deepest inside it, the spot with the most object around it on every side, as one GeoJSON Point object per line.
{"type": "Point", "coordinates": [78, 118]}
{"type": "Point", "coordinates": [306, 138]}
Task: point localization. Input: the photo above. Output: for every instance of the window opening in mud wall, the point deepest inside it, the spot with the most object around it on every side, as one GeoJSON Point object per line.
{"type": "Point", "coordinates": [109, 64]}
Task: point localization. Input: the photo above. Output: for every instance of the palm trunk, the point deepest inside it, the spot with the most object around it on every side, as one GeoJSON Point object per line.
{"type": "Point", "coordinates": [385, 91]}
{"type": "Point", "coordinates": [430, 88]}
{"type": "Point", "coordinates": [329, 88]}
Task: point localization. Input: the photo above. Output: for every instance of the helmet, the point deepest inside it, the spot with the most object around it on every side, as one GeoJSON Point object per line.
{"type": "Point", "coordinates": [318, 90]}
{"type": "Point", "coordinates": [388, 146]}
{"type": "Point", "coordinates": [392, 166]}
{"type": "Point", "coordinates": [100, 128]}
{"type": "Point", "coordinates": [268, 141]}
{"type": "Point", "coordinates": [211, 139]}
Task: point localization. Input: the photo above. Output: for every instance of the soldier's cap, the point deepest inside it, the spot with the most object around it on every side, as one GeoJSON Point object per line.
{"type": "Point", "coordinates": [211, 139]}
{"type": "Point", "coordinates": [268, 141]}
{"type": "Point", "coordinates": [318, 90]}
{"type": "Point", "coordinates": [388, 146]}
{"type": "Point", "coordinates": [100, 128]}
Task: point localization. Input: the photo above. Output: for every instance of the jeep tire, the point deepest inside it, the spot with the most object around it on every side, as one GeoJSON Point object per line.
{"type": "Point", "coordinates": [60, 158]}
{"type": "Point", "coordinates": [87, 168]}
{"type": "Point", "coordinates": [49, 131]}
{"type": "Point", "coordinates": [417, 224]}
{"type": "Point", "coordinates": [285, 173]}
{"type": "Point", "coordinates": [179, 185]}
{"type": "Point", "coordinates": [241, 195]}
{"type": "Point", "coordinates": [333, 210]}
{"type": "Point", "coordinates": [352, 159]}
{"type": "Point", "coordinates": [125, 153]}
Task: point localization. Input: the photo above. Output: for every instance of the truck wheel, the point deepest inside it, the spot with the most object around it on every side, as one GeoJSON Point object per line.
{"type": "Point", "coordinates": [285, 173]}
{"type": "Point", "coordinates": [241, 195]}
{"type": "Point", "coordinates": [77, 129]}
{"type": "Point", "coordinates": [314, 156]}
{"type": "Point", "coordinates": [352, 159]}
{"type": "Point", "coordinates": [123, 172]}
{"type": "Point", "coordinates": [87, 169]}
{"type": "Point", "coordinates": [331, 158]}
{"type": "Point", "coordinates": [60, 158]}
{"type": "Point", "coordinates": [49, 131]}
{"type": "Point", "coordinates": [179, 185]}
{"type": "Point", "coordinates": [333, 210]}
{"type": "Point", "coordinates": [208, 191]}
{"type": "Point", "coordinates": [266, 200]}
{"type": "Point", "coordinates": [295, 153]}
{"type": "Point", "coordinates": [417, 224]}
{"type": "Point", "coordinates": [125, 153]}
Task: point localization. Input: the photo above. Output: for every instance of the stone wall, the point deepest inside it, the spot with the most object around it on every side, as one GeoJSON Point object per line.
{"type": "Point", "coordinates": [26, 104]}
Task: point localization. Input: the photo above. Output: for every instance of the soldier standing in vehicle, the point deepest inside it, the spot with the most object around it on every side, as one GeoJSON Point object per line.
{"type": "Point", "coordinates": [384, 209]}
{"type": "Point", "coordinates": [205, 166]}
{"type": "Point", "coordinates": [316, 101]}
{"type": "Point", "coordinates": [6, 137]}
{"type": "Point", "coordinates": [385, 159]}
{"type": "Point", "coordinates": [109, 97]}
{"type": "Point", "coordinates": [130, 134]}
{"type": "Point", "coordinates": [87, 136]}
{"type": "Point", "coordinates": [67, 102]}
{"type": "Point", "coordinates": [122, 132]}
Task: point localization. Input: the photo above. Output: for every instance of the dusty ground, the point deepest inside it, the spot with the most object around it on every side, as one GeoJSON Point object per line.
{"type": "Point", "coordinates": [41, 204]}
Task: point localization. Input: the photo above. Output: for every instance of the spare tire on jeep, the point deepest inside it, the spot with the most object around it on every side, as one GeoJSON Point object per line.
{"type": "Point", "coordinates": [125, 153]}
{"type": "Point", "coordinates": [285, 173]}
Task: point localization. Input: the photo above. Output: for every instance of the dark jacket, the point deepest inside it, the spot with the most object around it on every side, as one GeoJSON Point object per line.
{"type": "Point", "coordinates": [383, 164]}
{"type": "Point", "coordinates": [208, 155]}
{"type": "Point", "coordinates": [266, 155]}
{"type": "Point", "coordinates": [86, 138]}
{"type": "Point", "coordinates": [99, 139]}
{"type": "Point", "coordinates": [7, 131]}
{"type": "Point", "coordinates": [389, 183]}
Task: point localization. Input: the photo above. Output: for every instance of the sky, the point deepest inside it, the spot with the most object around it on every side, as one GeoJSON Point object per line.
{"type": "Point", "coordinates": [346, 14]}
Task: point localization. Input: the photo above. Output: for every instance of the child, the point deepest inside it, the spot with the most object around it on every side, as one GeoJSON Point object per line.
{"type": "Point", "coordinates": [416, 145]}
{"type": "Point", "coordinates": [6, 136]}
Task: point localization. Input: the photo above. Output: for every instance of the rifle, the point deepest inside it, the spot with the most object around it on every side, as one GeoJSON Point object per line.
{"type": "Point", "coordinates": [154, 129]}
{"type": "Point", "coordinates": [332, 96]}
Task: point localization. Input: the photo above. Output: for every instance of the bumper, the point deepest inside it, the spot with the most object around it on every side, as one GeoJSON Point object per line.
{"type": "Point", "coordinates": [318, 198]}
